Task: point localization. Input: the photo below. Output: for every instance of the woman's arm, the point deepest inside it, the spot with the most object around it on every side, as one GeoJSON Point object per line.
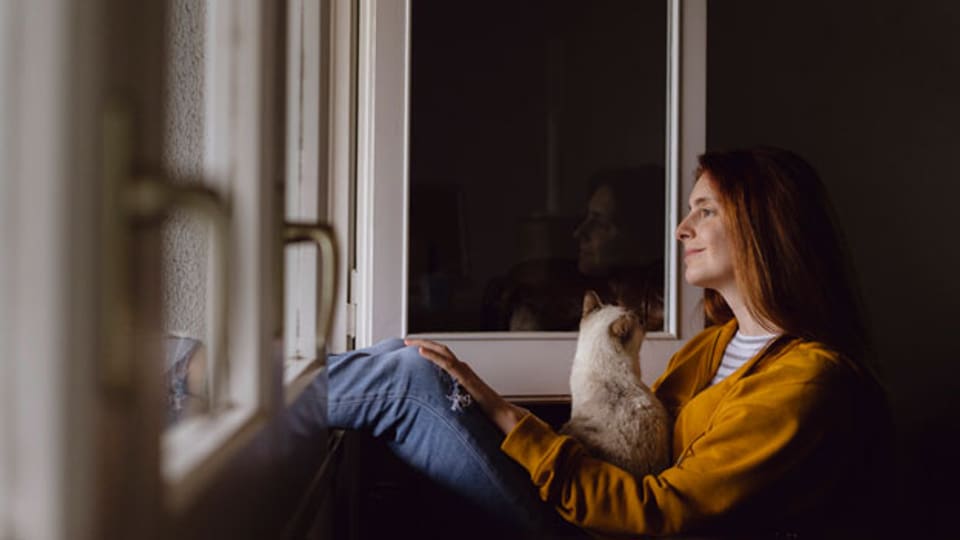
{"type": "Point", "coordinates": [504, 414]}
{"type": "Point", "coordinates": [776, 446]}
{"type": "Point", "coordinates": [774, 451]}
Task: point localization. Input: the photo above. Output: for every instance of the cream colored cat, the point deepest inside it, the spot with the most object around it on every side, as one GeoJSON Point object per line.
{"type": "Point", "coordinates": [613, 413]}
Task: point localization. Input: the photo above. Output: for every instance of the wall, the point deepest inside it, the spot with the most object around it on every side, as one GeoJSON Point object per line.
{"type": "Point", "coordinates": [184, 238]}
{"type": "Point", "coordinates": [868, 92]}
{"type": "Point", "coordinates": [7, 245]}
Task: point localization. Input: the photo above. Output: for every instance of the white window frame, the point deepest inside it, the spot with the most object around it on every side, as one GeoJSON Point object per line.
{"type": "Point", "coordinates": [305, 159]}
{"type": "Point", "coordinates": [531, 366]}
{"type": "Point", "coordinates": [318, 169]}
{"type": "Point", "coordinates": [319, 174]}
{"type": "Point", "coordinates": [52, 359]}
{"type": "Point", "coordinates": [341, 144]}
{"type": "Point", "coordinates": [47, 350]}
{"type": "Point", "coordinates": [238, 142]}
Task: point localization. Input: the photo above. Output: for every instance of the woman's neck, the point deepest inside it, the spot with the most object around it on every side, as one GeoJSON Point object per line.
{"type": "Point", "coordinates": [747, 324]}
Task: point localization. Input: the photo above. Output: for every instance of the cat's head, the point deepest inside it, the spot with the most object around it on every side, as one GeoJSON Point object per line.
{"type": "Point", "coordinates": [615, 324]}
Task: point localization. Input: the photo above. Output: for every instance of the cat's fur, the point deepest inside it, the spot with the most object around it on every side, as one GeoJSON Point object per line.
{"type": "Point", "coordinates": [613, 413]}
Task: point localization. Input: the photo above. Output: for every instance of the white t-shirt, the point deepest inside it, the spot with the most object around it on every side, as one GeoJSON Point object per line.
{"type": "Point", "coordinates": [740, 349]}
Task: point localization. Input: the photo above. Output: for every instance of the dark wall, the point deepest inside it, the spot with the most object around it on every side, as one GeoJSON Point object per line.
{"type": "Point", "coordinates": [869, 92]}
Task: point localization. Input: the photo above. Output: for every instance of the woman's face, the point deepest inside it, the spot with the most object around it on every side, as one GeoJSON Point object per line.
{"type": "Point", "coordinates": [707, 253]}
{"type": "Point", "coordinates": [600, 239]}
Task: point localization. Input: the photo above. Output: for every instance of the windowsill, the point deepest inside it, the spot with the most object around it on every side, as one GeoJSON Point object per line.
{"type": "Point", "coordinates": [521, 336]}
{"type": "Point", "coordinates": [297, 375]}
{"type": "Point", "coordinates": [195, 449]}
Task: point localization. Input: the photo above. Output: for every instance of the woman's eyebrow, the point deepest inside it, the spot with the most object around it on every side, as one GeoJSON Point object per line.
{"type": "Point", "coordinates": [698, 201]}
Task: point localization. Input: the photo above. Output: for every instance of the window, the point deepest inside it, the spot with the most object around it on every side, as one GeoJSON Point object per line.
{"type": "Point", "coordinates": [319, 179]}
{"type": "Point", "coordinates": [501, 113]}
{"type": "Point", "coordinates": [305, 181]}
{"type": "Point", "coordinates": [101, 126]}
{"type": "Point", "coordinates": [537, 151]}
{"type": "Point", "coordinates": [217, 138]}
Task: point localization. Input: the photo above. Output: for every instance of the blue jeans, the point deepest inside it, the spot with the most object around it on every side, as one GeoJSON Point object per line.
{"type": "Point", "coordinates": [428, 422]}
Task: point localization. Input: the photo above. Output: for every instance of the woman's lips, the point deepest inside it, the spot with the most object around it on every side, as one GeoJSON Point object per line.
{"type": "Point", "coordinates": [690, 252]}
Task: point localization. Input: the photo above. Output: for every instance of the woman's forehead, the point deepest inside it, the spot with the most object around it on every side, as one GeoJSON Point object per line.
{"type": "Point", "coordinates": [703, 191]}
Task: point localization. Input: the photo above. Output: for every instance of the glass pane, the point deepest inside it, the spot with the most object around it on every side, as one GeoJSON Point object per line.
{"type": "Point", "coordinates": [537, 144]}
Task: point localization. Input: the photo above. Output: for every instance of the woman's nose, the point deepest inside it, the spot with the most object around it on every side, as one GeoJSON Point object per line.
{"type": "Point", "coordinates": [684, 232]}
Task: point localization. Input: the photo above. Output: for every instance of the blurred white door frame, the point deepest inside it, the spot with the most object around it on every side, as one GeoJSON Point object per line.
{"type": "Point", "coordinates": [50, 84]}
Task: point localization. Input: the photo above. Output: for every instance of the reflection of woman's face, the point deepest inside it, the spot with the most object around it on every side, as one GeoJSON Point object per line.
{"type": "Point", "coordinates": [601, 240]}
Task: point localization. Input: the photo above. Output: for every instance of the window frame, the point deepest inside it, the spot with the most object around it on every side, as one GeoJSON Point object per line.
{"type": "Point", "coordinates": [319, 175]}
{"type": "Point", "coordinates": [240, 140]}
{"type": "Point", "coordinates": [48, 212]}
{"type": "Point", "coordinates": [520, 365]}
{"type": "Point", "coordinates": [303, 188]}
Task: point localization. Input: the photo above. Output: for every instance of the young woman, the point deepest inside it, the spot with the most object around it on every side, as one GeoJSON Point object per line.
{"type": "Point", "coordinates": [780, 425]}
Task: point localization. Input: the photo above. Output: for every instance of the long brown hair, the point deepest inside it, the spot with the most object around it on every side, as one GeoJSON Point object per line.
{"type": "Point", "coordinates": [789, 256]}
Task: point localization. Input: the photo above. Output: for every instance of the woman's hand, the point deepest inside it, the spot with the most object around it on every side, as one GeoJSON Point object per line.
{"type": "Point", "coordinates": [503, 413]}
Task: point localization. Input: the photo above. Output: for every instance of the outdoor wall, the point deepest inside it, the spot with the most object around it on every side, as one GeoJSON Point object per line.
{"type": "Point", "coordinates": [185, 238]}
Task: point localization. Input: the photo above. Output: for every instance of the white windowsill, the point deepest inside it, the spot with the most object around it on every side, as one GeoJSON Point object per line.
{"type": "Point", "coordinates": [195, 449]}
{"type": "Point", "coordinates": [298, 373]}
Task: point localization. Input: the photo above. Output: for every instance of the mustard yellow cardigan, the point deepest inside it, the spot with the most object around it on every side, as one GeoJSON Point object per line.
{"type": "Point", "coordinates": [788, 442]}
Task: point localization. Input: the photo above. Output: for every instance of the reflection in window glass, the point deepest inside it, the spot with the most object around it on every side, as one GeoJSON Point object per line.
{"type": "Point", "coordinates": [537, 144]}
{"type": "Point", "coordinates": [185, 371]}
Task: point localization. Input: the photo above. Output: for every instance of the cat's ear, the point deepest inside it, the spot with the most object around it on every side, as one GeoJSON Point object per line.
{"type": "Point", "coordinates": [591, 302]}
{"type": "Point", "coordinates": [624, 327]}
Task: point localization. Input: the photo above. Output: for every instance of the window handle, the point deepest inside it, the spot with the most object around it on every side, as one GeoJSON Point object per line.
{"type": "Point", "coordinates": [321, 235]}
{"type": "Point", "coordinates": [149, 200]}
{"type": "Point", "coordinates": [131, 201]}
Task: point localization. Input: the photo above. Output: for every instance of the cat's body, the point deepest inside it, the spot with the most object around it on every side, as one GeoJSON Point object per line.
{"type": "Point", "coordinates": [613, 413]}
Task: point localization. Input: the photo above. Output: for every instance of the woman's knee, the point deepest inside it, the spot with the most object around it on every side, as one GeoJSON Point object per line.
{"type": "Point", "coordinates": [386, 345]}
{"type": "Point", "coordinates": [394, 374]}
{"type": "Point", "coordinates": [410, 365]}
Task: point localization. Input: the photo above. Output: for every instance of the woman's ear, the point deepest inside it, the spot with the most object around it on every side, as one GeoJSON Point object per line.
{"type": "Point", "coordinates": [591, 302]}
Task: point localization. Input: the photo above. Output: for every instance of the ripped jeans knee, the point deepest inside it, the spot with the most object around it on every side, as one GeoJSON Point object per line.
{"type": "Point", "coordinates": [459, 398]}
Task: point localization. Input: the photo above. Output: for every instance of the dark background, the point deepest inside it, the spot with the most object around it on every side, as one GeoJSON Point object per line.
{"type": "Point", "coordinates": [869, 92]}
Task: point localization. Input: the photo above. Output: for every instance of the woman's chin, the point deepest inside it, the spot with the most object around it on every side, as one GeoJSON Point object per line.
{"type": "Point", "coordinates": [696, 279]}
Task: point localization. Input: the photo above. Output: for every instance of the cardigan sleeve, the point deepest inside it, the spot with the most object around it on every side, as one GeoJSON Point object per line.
{"type": "Point", "coordinates": [764, 453]}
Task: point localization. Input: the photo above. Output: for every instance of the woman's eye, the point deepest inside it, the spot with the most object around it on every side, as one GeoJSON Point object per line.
{"type": "Point", "coordinates": [707, 212]}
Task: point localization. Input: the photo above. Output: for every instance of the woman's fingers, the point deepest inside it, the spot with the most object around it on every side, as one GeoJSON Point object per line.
{"type": "Point", "coordinates": [440, 354]}
{"type": "Point", "coordinates": [449, 364]}
{"type": "Point", "coordinates": [430, 345]}
{"type": "Point", "coordinates": [436, 351]}
{"type": "Point", "coordinates": [504, 414]}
